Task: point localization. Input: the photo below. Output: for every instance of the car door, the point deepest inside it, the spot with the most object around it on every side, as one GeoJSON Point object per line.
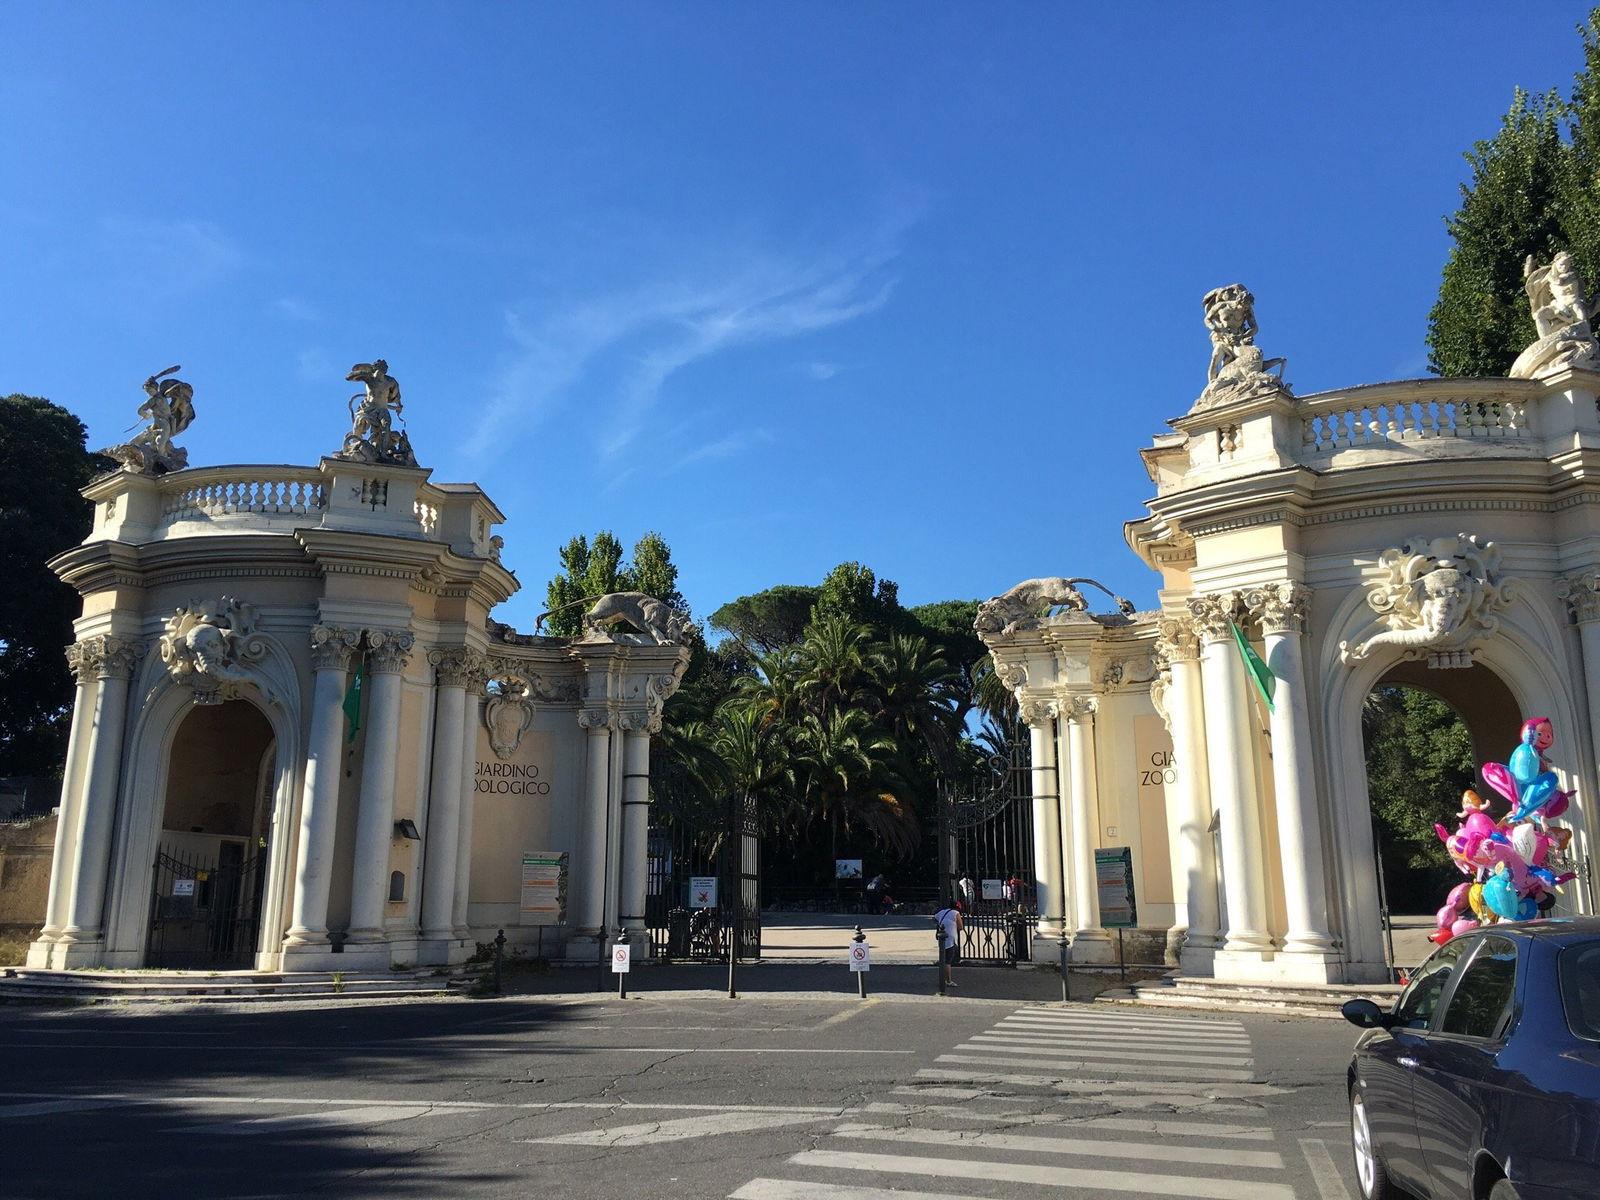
{"type": "Point", "coordinates": [1457, 1090]}
{"type": "Point", "coordinates": [1386, 1063]}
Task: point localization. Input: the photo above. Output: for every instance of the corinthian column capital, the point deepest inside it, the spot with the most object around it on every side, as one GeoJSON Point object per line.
{"type": "Point", "coordinates": [1280, 607]}
{"type": "Point", "coordinates": [333, 647]}
{"type": "Point", "coordinates": [1176, 640]}
{"type": "Point", "coordinates": [390, 649]}
{"type": "Point", "coordinates": [1038, 711]}
{"type": "Point", "coordinates": [1079, 708]}
{"type": "Point", "coordinates": [458, 666]}
{"type": "Point", "coordinates": [1581, 593]}
{"type": "Point", "coordinates": [1213, 614]}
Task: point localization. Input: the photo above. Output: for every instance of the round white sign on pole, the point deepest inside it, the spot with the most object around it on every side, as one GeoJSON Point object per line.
{"type": "Point", "coordinates": [860, 956]}
{"type": "Point", "coordinates": [620, 956]}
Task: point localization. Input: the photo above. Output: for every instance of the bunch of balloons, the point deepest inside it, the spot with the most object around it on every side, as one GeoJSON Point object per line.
{"type": "Point", "coordinates": [1509, 861]}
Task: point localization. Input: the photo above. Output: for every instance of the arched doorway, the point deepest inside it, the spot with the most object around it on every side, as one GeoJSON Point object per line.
{"type": "Point", "coordinates": [211, 858]}
{"type": "Point", "coordinates": [1425, 734]}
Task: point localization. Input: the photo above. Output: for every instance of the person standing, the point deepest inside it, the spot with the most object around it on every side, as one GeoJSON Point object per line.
{"type": "Point", "coordinates": [967, 889]}
{"type": "Point", "coordinates": [950, 925]}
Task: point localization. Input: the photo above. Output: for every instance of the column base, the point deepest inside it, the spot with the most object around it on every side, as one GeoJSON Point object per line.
{"type": "Point", "coordinates": [440, 947]}
{"type": "Point", "coordinates": [1092, 946]}
{"type": "Point", "coordinates": [312, 957]}
{"type": "Point", "coordinates": [586, 947]}
{"type": "Point", "coordinates": [1197, 958]}
{"type": "Point", "coordinates": [1305, 967]}
{"type": "Point", "coordinates": [308, 939]}
{"type": "Point", "coordinates": [1046, 949]}
{"type": "Point", "coordinates": [367, 956]}
{"type": "Point", "coordinates": [1250, 966]}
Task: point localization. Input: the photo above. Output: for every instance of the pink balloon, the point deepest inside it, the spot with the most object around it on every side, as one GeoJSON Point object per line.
{"type": "Point", "coordinates": [1501, 780]}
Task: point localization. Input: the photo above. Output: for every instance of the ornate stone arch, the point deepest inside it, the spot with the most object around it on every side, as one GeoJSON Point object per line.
{"type": "Point", "coordinates": [162, 703]}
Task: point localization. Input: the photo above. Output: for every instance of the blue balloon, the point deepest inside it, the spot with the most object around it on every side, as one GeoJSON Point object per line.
{"type": "Point", "coordinates": [1536, 793]}
{"type": "Point", "coordinates": [1502, 898]}
{"type": "Point", "coordinates": [1524, 764]}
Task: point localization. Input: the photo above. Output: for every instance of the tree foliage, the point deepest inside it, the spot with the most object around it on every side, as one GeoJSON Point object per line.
{"type": "Point", "coordinates": [768, 620]}
{"type": "Point", "coordinates": [43, 464]}
{"type": "Point", "coordinates": [1534, 189]}
{"type": "Point", "coordinates": [592, 569]}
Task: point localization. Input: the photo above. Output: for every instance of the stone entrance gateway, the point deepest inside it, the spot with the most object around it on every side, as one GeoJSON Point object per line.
{"type": "Point", "coordinates": [299, 742]}
{"type": "Point", "coordinates": [1442, 533]}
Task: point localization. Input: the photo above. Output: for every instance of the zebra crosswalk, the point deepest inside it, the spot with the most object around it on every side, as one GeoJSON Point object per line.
{"type": "Point", "coordinates": [1049, 1102]}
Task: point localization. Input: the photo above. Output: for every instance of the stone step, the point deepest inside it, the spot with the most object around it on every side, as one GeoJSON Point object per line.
{"type": "Point", "coordinates": [92, 986]}
{"type": "Point", "coordinates": [1214, 995]}
{"type": "Point", "coordinates": [1282, 1008]}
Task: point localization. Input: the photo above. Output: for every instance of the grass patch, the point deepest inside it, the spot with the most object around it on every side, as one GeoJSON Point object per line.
{"type": "Point", "coordinates": [13, 951]}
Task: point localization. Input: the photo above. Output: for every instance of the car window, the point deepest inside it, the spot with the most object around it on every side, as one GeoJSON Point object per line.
{"type": "Point", "coordinates": [1578, 968]}
{"type": "Point", "coordinates": [1417, 1002]}
{"type": "Point", "coordinates": [1481, 1003]}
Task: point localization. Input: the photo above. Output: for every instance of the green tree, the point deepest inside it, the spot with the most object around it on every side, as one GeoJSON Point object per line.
{"type": "Point", "coordinates": [653, 572]}
{"type": "Point", "coordinates": [592, 569]}
{"type": "Point", "coordinates": [853, 592]}
{"type": "Point", "coordinates": [768, 620]}
{"type": "Point", "coordinates": [43, 464]}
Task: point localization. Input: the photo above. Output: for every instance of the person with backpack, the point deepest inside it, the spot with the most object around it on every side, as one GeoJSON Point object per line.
{"type": "Point", "coordinates": [950, 924]}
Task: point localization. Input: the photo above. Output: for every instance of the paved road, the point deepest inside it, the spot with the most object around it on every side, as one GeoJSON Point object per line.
{"type": "Point", "coordinates": [779, 1096]}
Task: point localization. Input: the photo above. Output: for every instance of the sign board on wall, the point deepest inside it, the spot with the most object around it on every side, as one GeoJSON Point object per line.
{"type": "Point", "coordinates": [544, 888]}
{"type": "Point", "coordinates": [508, 779]}
{"type": "Point", "coordinates": [1113, 872]}
{"type": "Point", "coordinates": [702, 891]}
{"type": "Point", "coordinates": [994, 889]}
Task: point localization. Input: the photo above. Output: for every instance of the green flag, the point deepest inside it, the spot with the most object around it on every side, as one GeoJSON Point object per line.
{"type": "Point", "coordinates": [352, 699]}
{"type": "Point", "coordinates": [1259, 672]}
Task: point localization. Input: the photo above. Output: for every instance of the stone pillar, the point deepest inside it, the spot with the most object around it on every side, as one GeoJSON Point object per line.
{"type": "Point", "coordinates": [635, 828]}
{"type": "Point", "coordinates": [1582, 595]}
{"type": "Point", "coordinates": [1197, 860]}
{"type": "Point", "coordinates": [1049, 897]}
{"type": "Point", "coordinates": [1230, 755]}
{"type": "Point", "coordinates": [62, 860]}
{"type": "Point", "coordinates": [1281, 609]}
{"type": "Point", "coordinates": [453, 669]}
{"type": "Point", "coordinates": [590, 868]}
{"type": "Point", "coordinates": [389, 650]}
{"type": "Point", "coordinates": [112, 659]}
{"type": "Point", "coordinates": [331, 652]}
{"type": "Point", "coordinates": [472, 719]}
{"type": "Point", "coordinates": [1090, 943]}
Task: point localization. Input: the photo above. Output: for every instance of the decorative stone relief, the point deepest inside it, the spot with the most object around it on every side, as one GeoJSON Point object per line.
{"type": "Point", "coordinates": [1581, 594]}
{"type": "Point", "coordinates": [1012, 675]}
{"type": "Point", "coordinates": [372, 438]}
{"type": "Point", "coordinates": [1440, 599]}
{"type": "Point", "coordinates": [597, 717]}
{"type": "Point", "coordinates": [1562, 311]}
{"type": "Point", "coordinates": [508, 714]}
{"type": "Point", "coordinates": [1025, 605]}
{"type": "Point", "coordinates": [1128, 672]}
{"type": "Point", "coordinates": [658, 689]}
{"type": "Point", "coordinates": [1279, 607]}
{"type": "Point", "coordinates": [1213, 615]}
{"type": "Point", "coordinates": [332, 648]}
{"type": "Point", "coordinates": [212, 646]}
{"type": "Point", "coordinates": [169, 409]}
{"type": "Point", "coordinates": [388, 650]}
{"type": "Point", "coordinates": [635, 619]}
{"type": "Point", "coordinates": [1237, 370]}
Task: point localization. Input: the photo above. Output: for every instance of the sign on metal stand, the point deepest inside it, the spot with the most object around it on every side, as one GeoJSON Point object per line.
{"type": "Point", "coordinates": [621, 964]}
{"type": "Point", "coordinates": [860, 961]}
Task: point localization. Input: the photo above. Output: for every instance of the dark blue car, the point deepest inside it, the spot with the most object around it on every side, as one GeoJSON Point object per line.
{"type": "Point", "coordinates": [1484, 1082]}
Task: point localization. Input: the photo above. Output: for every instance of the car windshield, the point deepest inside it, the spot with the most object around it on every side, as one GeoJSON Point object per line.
{"type": "Point", "coordinates": [1417, 1002]}
{"type": "Point", "coordinates": [1579, 970]}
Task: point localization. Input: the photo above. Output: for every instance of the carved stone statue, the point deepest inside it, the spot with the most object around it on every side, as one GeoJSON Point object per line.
{"type": "Point", "coordinates": [1561, 313]}
{"type": "Point", "coordinates": [372, 437]}
{"type": "Point", "coordinates": [169, 407]}
{"type": "Point", "coordinates": [653, 622]}
{"type": "Point", "coordinates": [1440, 599]}
{"type": "Point", "coordinates": [1237, 369]}
{"type": "Point", "coordinates": [210, 645]}
{"type": "Point", "coordinates": [1023, 606]}
{"type": "Point", "coordinates": [508, 714]}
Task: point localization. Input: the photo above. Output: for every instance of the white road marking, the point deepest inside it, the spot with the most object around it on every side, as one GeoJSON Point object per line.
{"type": "Point", "coordinates": [112, 1099]}
{"type": "Point", "coordinates": [1094, 1029]}
{"type": "Point", "coordinates": [839, 1018]}
{"type": "Point", "coordinates": [371, 1114]}
{"type": "Point", "coordinates": [797, 1189]}
{"type": "Point", "coordinates": [1088, 1069]}
{"type": "Point", "coordinates": [46, 1107]}
{"type": "Point", "coordinates": [622, 1137]}
{"type": "Point", "coordinates": [1129, 1020]}
{"type": "Point", "coordinates": [1016, 1045]}
{"type": "Point", "coordinates": [1323, 1173]}
{"type": "Point", "coordinates": [1049, 1176]}
{"type": "Point", "coordinates": [1190, 1090]}
{"type": "Point", "coordinates": [1205, 1129]}
{"type": "Point", "coordinates": [533, 1050]}
{"type": "Point", "coordinates": [1033, 1144]}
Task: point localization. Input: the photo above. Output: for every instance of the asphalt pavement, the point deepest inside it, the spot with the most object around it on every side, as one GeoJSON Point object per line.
{"type": "Point", "coordinates": [796, 1091]}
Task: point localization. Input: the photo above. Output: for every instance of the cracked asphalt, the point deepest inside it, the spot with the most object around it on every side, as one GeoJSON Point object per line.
{"type": "Point", "coordinates": [667, 1094]}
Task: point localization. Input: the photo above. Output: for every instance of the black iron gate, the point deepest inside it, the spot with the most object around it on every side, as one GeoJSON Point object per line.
{"type": "Point", "coordinates": [704, 889]}
{"type": "Point", "coordinates": [986, 854]}
{"type": "Point", "coordinates": [205, 912]}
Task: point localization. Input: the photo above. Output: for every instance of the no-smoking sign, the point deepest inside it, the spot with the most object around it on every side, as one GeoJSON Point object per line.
{"type": "Point", "coordinates": [621, 955]}
{"type": "Point", "coordinates": [860, 957]}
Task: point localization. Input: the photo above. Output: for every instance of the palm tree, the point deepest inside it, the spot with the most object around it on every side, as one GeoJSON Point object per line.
{"type": "Point", "coordinates": [914, 693]}
{"type": "Point", "coordinates": [832, 661]}
{"type": "Point", "coordinates": [842, 763]}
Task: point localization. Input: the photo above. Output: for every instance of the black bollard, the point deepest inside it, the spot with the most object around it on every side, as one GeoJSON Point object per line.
{"type": "Point", "coordinates": [622, 976]}
{"type": "Point", "coordinates": [861, 976]}
{"type": "Point", "coordinates": [1063, 945]}
{"type": "Point", "coordinates": [499, 956]}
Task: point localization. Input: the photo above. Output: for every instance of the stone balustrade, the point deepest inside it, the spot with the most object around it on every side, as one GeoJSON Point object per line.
{"type": "Point", "coordinates": [213, 492]}
{"type": "Point", "coordinates": [427, 517]}
{"type": "Point", "coordinates": [1413, 411]}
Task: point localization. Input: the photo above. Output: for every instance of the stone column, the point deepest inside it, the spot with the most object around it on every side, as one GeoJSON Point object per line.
{"type": "Point", "coordinates": [1582, 595]}
{"type": "Point", "coordinates": [1049, 898]}
{"type": "Point", "coordinates": [1090, 943]}
{"type": "Point", "coordinates": [113, 659]}
{"type": "Point", "coordinates": [83, 665]}
{"type": "Point", "coordinates": [635, 826]}
{"type": "Point", "coordinates": [1230, 755]}
{"type": "Point", "coordinates": [453, 670]}
{"type": "Point", "coordinates": [472, 720]}
{"type": "Point", "coordinates": [590, 867]}
{"type": "Point", "coordinates": [389, 650]}
{"type": "Point", "coordinates": [1196, 850]}
{"type": "Point", "coordinates": [331, 652]}
{"type": "Point", "coordinates": [1281, 609]}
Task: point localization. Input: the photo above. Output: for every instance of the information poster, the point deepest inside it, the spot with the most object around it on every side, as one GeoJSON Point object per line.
{"type": "Point", "coordinates": [994, 889]}
{"type": "Point", "coordinates": [702, 891]}
{"type": "Point", "coordinates": [544, 888]}
{"type": "Point", "coordinates": [1113, 870]}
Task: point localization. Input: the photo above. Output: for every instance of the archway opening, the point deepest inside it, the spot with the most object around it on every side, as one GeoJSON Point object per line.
{"type": "Point", "coordinates": [1426, 733]}
{"type": "Point", "coordinates": [210, 868]}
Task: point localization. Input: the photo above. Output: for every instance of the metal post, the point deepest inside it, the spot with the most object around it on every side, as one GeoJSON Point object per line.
{"type": "Point", "coordinates": [499, 956]}
{"type": "Point", "coordinates": [730, 874]}
{"type": "Point", "coordinates": [622, 976]}
{"type": "Point", "coordinates": [938, 962]}
{"type": "Point", "coordinates": [1061, 943]}
{"type": "Point", "coordinates": [1383, 900]}
{"type": "Point", "coordinates": [861, 976]}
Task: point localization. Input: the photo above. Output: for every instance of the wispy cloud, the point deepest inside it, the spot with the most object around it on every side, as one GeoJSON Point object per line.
{"type": "Point", "coordinates": [315, 365]}
{"type": "Point", "coordinates": [727, 446]}
{"type": "Point", "coordinates": [821, 371]}
{"type": "Point", "coordinates": [622, 347]}
{"type": "Point", "coordinates": [295, 309]}
{"type": "Point", "coordinates": [169, 255]}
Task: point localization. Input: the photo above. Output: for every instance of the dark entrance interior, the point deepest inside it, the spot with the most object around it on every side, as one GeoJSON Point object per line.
{"type": "Point", "coordinates": [209, 876]}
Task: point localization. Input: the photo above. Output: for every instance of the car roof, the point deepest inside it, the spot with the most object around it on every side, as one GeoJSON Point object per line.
{"type": "Point", "coordinates": [1558, 929]}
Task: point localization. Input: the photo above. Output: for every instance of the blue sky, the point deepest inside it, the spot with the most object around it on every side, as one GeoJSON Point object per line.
{"type": "Point", "coordinates": [792, 284]}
